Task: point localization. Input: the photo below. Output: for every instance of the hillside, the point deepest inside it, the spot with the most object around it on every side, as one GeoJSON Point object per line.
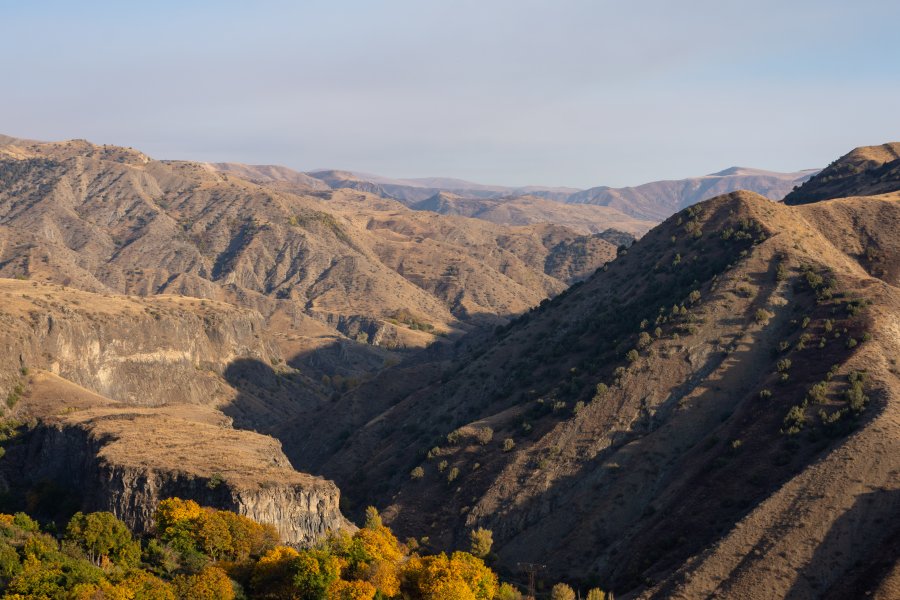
{"type": "Point", "coordinates": [116, 403]}
{"type": "Point", "coordinates": [679, 425]}
{"type": "Point", "coordinates": [658, 200]}
{"type": "Point", "coordinates": [526, 210]}
{"type": "Point", "coordinates": [865, 171]}
{"type": "Point", "coordinates": [631, 209]}
{"type": "Point", "coordinates": [337, 266]}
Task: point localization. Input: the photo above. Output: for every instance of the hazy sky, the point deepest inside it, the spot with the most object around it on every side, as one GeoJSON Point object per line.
{"type": "Point", "coordinates": [577, 93]}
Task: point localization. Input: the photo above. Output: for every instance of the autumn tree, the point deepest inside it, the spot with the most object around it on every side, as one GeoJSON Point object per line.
{"type": "Point", "coordinates": [480, 542]}
{"type": "Point", "coordinates": [351, 590]}
{"type": "Point", "coordinates": [211, 583]}
{"type": "Point", "coordinates": [595, 594]}
{"type": "Point", "coordinates": [562, 591]}
{"type": "Point", "coordinates": [104, 538]}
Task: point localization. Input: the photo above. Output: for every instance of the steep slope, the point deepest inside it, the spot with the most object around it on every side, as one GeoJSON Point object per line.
{"type": "Point", "coordinates": [865, 171]}
{"type": "Point", "coordinates": [679, 425]}
{"type": "Point", "coordinates": [110, 219]}
{"type": "Point", "coordinates": [657, 200]}
{"type": "Point", "coordinates": [144, 424]}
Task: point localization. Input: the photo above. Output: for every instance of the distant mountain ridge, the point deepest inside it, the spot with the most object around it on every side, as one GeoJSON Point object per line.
{"type": "Point", "coordinates": [650, 202]}
{"type": "Point", "coordinates": [658, 200]}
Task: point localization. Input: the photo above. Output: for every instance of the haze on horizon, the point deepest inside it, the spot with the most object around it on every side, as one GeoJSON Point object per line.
{"type": "Point", "coordinates": [515, 92]}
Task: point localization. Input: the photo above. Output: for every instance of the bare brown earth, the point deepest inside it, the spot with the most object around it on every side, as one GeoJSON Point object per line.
{"type": "Point", "coordinates": [112, 220]}
{"type": "Point", "coordinates": [864, 171]}
{"type": "Point", "coordinates": [681, 480]}
{"type": "Point", "coordinates": [744, 443]}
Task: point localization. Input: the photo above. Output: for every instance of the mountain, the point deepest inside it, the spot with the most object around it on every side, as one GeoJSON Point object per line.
{"type": "Point", "coordinates": [112, 220]}
{"type": "Point", "coordinates": [865, 171]}
{"type": "Point", "coordinates": [632, 209]}
{"type": "Point", "coordinates": [714, 414]}
{"type": "Point", "coordinates": [272, 175]}
{"type": "Point", "coordinates": [410, 191]}
{"type": "Point", "coordinates": [658, 200]}
{"type": "Point", "coordinates": [526, 210]}
{"type": "Point", "coordinates": [710, 411]}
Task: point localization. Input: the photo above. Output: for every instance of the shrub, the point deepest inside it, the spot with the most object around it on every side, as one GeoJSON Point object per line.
{"type": "Point", "coordinates": [794, 420]}
{"type": "Point", "coordinates": [783, 365]}
{"type": "Point", "coordinates": [454, 473]}
{"type": "Point", "coordinates": [855, 394]}
{"type": "Point", "coordinates": [600, 391]}
{"type": "Point", "coordinates": [818, 392]}
{"type": "Point", "coordinates": [508, 444]}
{"type": "Point", "coordinates": [484, 435]}
{"type": "Point", "coordinates": [417, 473]}
{"type": "Point", "coordinates": [595, 594]}
{"type": "Point", "coordinates": [644, 340]}
{"type": "Point", "coordinates": [765, 394]}
{"type": "Point", "coordinates": [762, 316]}
{"type": "Point", "coordinates": [632, 355]}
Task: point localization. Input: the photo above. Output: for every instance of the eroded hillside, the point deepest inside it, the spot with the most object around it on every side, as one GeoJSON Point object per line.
{"type": "Point", "coordinates": [109, 219]}
{"type": "Point", "coordinates": [682, 423]}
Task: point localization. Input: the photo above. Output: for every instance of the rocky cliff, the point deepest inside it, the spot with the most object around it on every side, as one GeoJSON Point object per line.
{"type": "Point", "coordinates": [153, 351]}
{"type": "Point", "coordinates": [106, 456]}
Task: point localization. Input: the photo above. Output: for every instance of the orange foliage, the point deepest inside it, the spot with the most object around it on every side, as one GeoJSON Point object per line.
{"type": "Point", "coordinates": [351, 590]}
{"type": "Point", "coordinates": [209, 584]}
{"type": "Point", "coordinates": [460, 576]}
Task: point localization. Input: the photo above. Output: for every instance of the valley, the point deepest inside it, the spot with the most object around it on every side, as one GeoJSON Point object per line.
{"type": "Point", "coordinates": [643, 390]}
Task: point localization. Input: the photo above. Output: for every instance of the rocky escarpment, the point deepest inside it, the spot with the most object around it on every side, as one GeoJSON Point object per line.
{"type": "Point", "coordinates": [126, 460]}
{"type": "Point", "coordinates": [141, 351]}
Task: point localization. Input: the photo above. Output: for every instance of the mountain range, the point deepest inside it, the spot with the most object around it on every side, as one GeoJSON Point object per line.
{"type": "Point", "coordinates": [644, 389]}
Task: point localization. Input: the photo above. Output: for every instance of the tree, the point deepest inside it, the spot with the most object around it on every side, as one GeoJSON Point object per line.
{"type": "Point", "coordinates": [103, 537]}
{"type": "Point", "coordinates": [508, 444]}
{"type": "Point", "coordinates": [373, 519]}
{"type": "Point", "coordinates": [417, 473]}
{"type": "Point", "coordinates": [595, 594]}
{"type": "Point", "coordinates": [351, 590]}
{"type": "Point", "coordinates": [273, 575]}
{"type": "Point", "coordinates": [314, 571]}
{"type": "Point", "coordinates": [457, 577]}
{"type": "Point", "coordinates": [209, 584]}
{"type": "Point", "coordinates": [562, 591]}
{"type": "Point", "coordinates": [480, 542]}
{"type": "Point", "coordinates": [632, 355]}
{"type": "Point", "coordinates": [506, 591]}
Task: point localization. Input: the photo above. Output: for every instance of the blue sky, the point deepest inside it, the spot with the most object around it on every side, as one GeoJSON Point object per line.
{"type": "Point", "coordinates": [560, 92]}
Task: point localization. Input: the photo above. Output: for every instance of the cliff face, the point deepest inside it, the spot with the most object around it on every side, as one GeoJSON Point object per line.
{"type": "Point", "coordinates": [126, 460]}
{"type": "Point", "coordinates": [149, 352]}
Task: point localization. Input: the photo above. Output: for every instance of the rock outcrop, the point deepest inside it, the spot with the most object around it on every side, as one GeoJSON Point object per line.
{"type": "Point", "coordinates": [155, 351]}
{"type": "Point", "coordinates": [125, 460]}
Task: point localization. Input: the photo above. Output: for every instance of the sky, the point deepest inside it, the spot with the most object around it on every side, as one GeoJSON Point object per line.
{"type": "Point", "coordinates": [516, 92]}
